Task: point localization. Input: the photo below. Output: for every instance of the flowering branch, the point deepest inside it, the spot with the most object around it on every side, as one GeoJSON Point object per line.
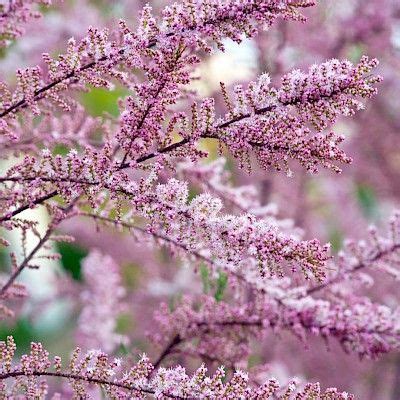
{"type": "Point", "coordinates": [212, 18]}
{"type": "Point", "coordinates": [14, 15]}
{"type": "Point", "coordinates": [273, 307]}
{"type": "Point", "coordinates": [95, 368]}
{"type": "Point", "coordinates": [351, 325]}
{"type": "Point", "coordinates": [321, 150]}
{"type": "Point", "coordinates": [379, 252]}
{"type": "Point", "coordinates": [123, 172]}
{"type": "Point", "coordinates": [329, 89]}
{"type": "Point", "coordinates": [25, 263]}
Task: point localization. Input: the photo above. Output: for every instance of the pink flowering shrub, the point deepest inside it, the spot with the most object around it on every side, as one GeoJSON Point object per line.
{"type": "Point", "coordinates": [14, 14]}
{"type": "Point", "coordinates": [184, 262]}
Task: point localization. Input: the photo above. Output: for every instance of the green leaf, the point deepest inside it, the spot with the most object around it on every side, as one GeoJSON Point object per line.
{"type": "Point", "coordinates": [99, 101]}
{"type": "Point", "coordinates": [367, 200]}
{"type": "Point", "coordinates": [355, 52]}
{"type": "Point", "coordinates": [123, 350]}
{"type": "Point", "coordinates": [205, 278]}
{"type": "Point", "coordinates": [222, 282]}
{"type": "Point", "coordinates": [335, 239]}
{"type": "Point", "coordinates": [3, 51]}
{"type": "Point", "coordinates": [23, 332]}
{"type": "Point", "coordinates": [71, 257]}
{"type": "Point", "coordinates": [209, 284]}
{"type": "Point", "coordinates": [131, 275]}
{"type": "Point", "coordinates": [124, 323]}
{"type": "Point", "coordinates": [192, 193]}
{"type": "Point", "coordinates": [60, 149]}
{"type": "Point", "coordinates": [4, 259]}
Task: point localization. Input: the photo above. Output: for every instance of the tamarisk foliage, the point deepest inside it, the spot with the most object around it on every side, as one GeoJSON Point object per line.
{"type": "Point", "coordinates": [148, 172]}
{"type": "Point", "coordinates": [13, 16]}
{"type": "Point", "coordinates": [97, 368]}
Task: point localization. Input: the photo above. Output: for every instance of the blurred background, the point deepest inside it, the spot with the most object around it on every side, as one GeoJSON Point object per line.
{"type": "Point", "coordinates": [331, 208]}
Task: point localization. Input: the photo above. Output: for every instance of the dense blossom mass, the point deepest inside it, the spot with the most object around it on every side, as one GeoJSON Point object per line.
{"type": "Point", "coordinates": [97, 320]}
{"type": "Point", "coordinates": [96, 367]}
{"type": "Point", "coordinates": [278, 124]}
{"type": "Point", "coordinates": [13, 16]}
{"type": "Point", "coordinates": [115, 133]}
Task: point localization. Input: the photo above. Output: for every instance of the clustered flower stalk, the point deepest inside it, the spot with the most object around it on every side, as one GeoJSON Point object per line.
{"type": "Point", "coordinates": [97, 368]}
{"type": "Point", "coordinates": [114, 173]}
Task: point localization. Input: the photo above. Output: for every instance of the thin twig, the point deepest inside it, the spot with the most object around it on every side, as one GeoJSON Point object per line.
{"type": "Point", "coordinates": [15, 374]}
{"type": "Point", "coordinates": [26, 261]}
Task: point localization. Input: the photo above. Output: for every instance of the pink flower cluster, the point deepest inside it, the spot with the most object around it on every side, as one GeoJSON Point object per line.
{"type": "Point", "coordinates": [69, 130]}
{"type": "Point", "coordinates": [361, 326]}
{"type": "Point", "coordinates": [102, 300]}
{"type": "Point", "coordinates": [196, 225]}
{"type": "Point", "coordinates": [141, 172]}
{"type": "Point", "coordinates": [14, 14]}
{"type": "Point", "coordinates": [96, 58]}
{"type": "Point", "coordinates": [227, 332]}
{"type": "Point", "coordinates": [97, 368]}
{"type": "Point", "coordinates": [275, 123]}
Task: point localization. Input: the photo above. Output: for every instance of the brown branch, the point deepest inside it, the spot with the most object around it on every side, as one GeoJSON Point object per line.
{"type": "Point", "coordinates": [206, 135]}
{"type": "Point", "coordinates": [159, 236]}
{"type": "Point", "coordinates": [360, 265]}
{"type": "Point", "coordinates": [26, 206]}
{"type": "Point", "coordinates": [29, 257]}
{"type": "Point", "coordinates": [185, 141]}
{"type": "Point", "coordinates": [54, 193]}
{"type": "Point", "coordinates": [74, 74]}
{"type": "Point", "coordinates": [160, 88]}
{"type": "Point", "coordinates": [76, 377]}
{"type": "Point", "coordinates": [25, 262]}
{"type": "Point", "coordinates": [176, 340]}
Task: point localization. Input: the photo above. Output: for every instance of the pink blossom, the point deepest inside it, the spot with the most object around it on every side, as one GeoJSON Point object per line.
{"type": "Point", "coordinates": [14, 15]}
{"type": "Point", "coordinates": [162, 198]}
{"type": "Point", "coordinates": [97, 368]}
{"type": "Point", "coordinates": [102, 299]}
